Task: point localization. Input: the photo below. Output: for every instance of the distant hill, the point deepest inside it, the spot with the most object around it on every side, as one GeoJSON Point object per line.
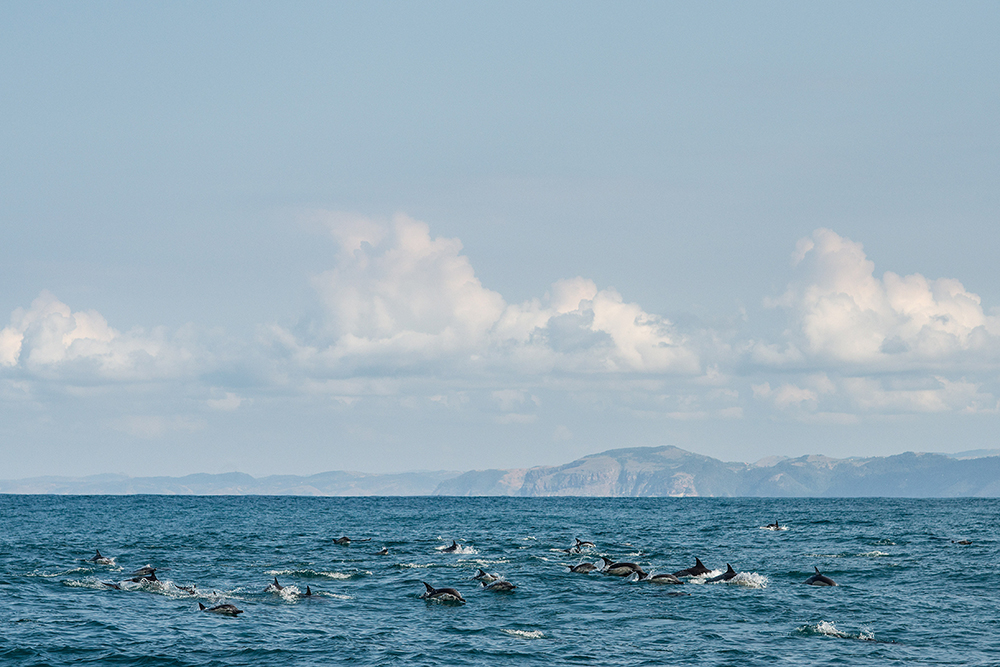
{"type": "Point", "coordinates": [323, 484]}
{"type": "Point", "coordinates": [637, 471]}
{"type": "Point", "coordinates": [670, 471]}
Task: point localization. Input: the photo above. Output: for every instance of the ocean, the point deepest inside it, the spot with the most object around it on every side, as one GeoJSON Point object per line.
{"type": "Point", "coordinates": [907, 592]}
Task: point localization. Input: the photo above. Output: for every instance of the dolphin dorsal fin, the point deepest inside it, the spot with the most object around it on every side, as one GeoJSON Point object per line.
{"type": "Point", "coordinates": [817, 569]}
{"type": "Point", "coordinates": [99, 554]}
{"type": "Point", "coordinates": [201, 606]}
{"type": "Point", "coordinates": [454, 543]}
{"type": "Point", "coordinates": [729, 568]}
{"type": "Point", "coordinates": [430, 589]}
{"type": "Point", "coordinates": [308, 591]}
{"type": "Point", "coordinates": [698, 563]}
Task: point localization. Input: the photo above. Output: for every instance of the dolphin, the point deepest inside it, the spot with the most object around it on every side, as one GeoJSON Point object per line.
{"type": "Point", "coordinates": [621, 569]}
{"type": "Point", "coordinates": [383, 552]}
{"type": "Point", "coordinates": [583, 567]}
{"type": "Point", "coordinates": [441, 594]}
{"type": "Point", "coordinates": [696, 570]}
{"type": "Point", "coordinates": [224, 609]}
{"type": "Point", "coordinates": [147, 573]}
{"type": "Point", "coordinates": [99, 559]}
{"type": "Point", "coordinates": [346, 540]}
{"type": "Point", "coordinates": [188, 589]}
{"type": "Point", "coordinates": [774, 526]}
{"type": "Point", "coordinates": [819, 580]}
{"type": "Point", "coordinates": [274, 587]}
{"type": "Point", "coordinates": [453, 548]}
{"type": "Point", "coordinates": [499, 586]}
{"type": "Point", "coordinates": [111, 584]}
{"type": "Point", "coordinates": [663, 579]}
{"type": "Point", "coordinates": [726, 576]}
{"type": "Point", "coordinates": [307, 594]}
{"type": "Point", "coordinates": [483, 575]}
{"type": "Point", "coordinates": [963, 542]}
{"type": "Point", "coordinates": [584, 544]}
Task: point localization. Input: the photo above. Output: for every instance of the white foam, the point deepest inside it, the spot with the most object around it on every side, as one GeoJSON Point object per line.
{"type": "Point", "coordinates": [827, 628]}
{"type": "Point", "coordinates": [874, 554]}
{"type": "Point", "coordinates": [415, 565]}
{"type": "Point", "coordinates": [526, 634]}
{"type": "Point", "coordinates": [749, 580]}
{"type": "Point", "coordinates": [465, 551]}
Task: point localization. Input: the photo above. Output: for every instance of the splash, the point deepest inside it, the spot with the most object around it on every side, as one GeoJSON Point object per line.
{"type": "Point", "coordinates": [318, 574]}
{"type": "Point", "coordinates": [829, 629]}
{"type": "Point", "coordinates": [749, 580]}
{"type": "Point", "coordinates": [525, 634]}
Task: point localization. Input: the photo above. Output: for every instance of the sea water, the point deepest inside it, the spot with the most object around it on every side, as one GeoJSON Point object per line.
{"type": "Point", "coordinates": [907, 592]}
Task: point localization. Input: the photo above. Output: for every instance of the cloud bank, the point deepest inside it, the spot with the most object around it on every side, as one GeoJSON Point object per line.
{"type": "Point", "coordinates": [404, 324]}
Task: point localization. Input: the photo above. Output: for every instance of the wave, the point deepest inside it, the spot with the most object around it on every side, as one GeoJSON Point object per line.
{"type": "Point", "coordinates": [319, 574]}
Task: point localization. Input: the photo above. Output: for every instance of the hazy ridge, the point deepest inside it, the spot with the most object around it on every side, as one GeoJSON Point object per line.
{"type": "Point", "coordinates": [629, 472]}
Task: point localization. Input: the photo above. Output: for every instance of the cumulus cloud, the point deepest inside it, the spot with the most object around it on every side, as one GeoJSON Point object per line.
{"type": "Point", "coordinates": [843, 313]}
{"type": "Point", "coordinates": [397, 298]}
{"type": "Point", "coordinates": [48, 339]}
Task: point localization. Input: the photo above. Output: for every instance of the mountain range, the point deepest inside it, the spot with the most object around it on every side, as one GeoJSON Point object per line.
{"type": "Point", "coordinates": [630, 472]}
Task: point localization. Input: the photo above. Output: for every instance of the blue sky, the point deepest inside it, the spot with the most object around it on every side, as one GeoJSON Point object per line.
{"type": "Point", "coordinates": [397, 236]}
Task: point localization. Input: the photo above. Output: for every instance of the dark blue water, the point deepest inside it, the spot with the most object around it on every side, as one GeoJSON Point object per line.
{"type": "Point", "coordinates": [906, 594]}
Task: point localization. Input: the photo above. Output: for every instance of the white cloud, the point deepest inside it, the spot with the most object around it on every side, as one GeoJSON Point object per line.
{"type": "Point", "coordinates": [398, 298]}
{"type": "Point", "coordinates": [50, 340]}
{"type": "Point", "coordinates": [845, 314]}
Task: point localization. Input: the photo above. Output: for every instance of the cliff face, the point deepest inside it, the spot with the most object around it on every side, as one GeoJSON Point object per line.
{"type": "Point", "coordinates": [670, 471]}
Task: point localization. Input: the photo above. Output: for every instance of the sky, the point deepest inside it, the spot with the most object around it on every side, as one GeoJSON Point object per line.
{"type": "Point", "coordinates": [298, 237]}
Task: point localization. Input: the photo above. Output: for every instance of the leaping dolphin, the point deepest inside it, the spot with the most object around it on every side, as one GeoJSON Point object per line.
{"type": "Point", "coordinates": [621, 569]}
{"type": "Point", "coordinates": [725, 576]}
{"type": "Point", "coordinates": [663, 579]}
{"type": "Point", "coordinates": [441, 594]}
{"type": "Point", "coordinates": [224, 609]}
{"type": "Point", "coordinates": [696, 570]}
{"type": "Point", "coordinates": [453, 548]}
{"type": "Point", "coordinates": [583, 567]}
{"type": "Point", "coordinates": [483, 575]}
{"type": "Point", "coordinates": [147, 573]}
{"type": "Point", "coordinates": [274, 587]}
{"type": "Point", "coordinates": [819, 580]}
{"type": "Point", "coordinates": [499, 586]}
